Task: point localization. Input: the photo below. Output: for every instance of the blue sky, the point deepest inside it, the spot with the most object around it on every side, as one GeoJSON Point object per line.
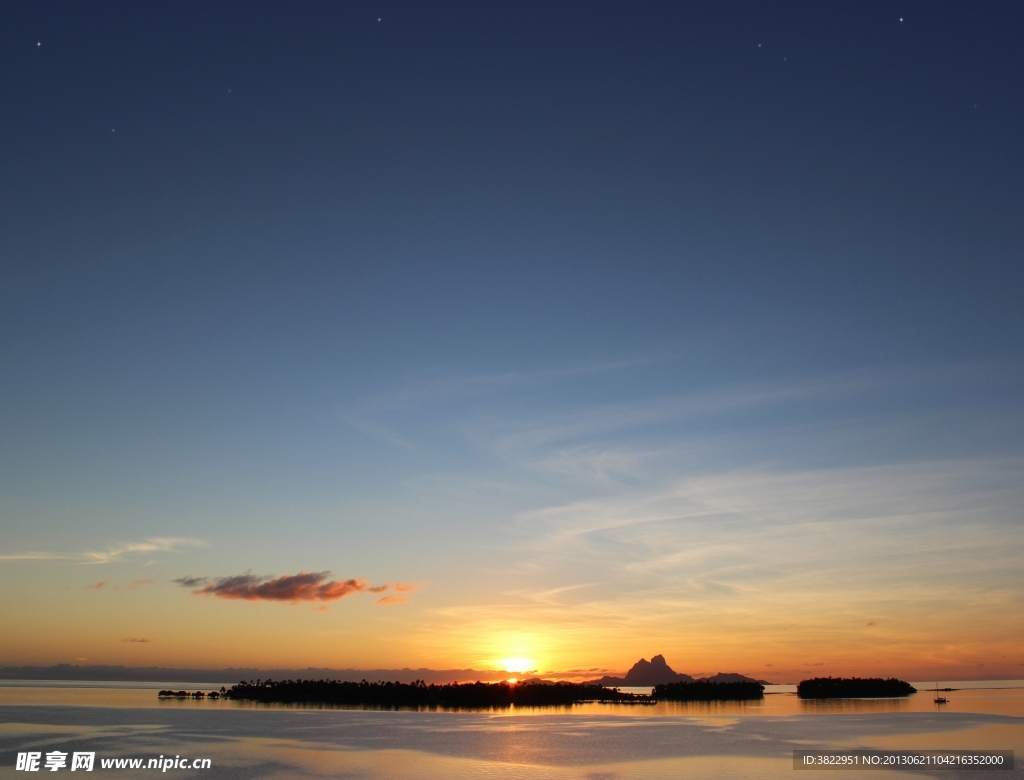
{"type": "Point", "coordinates": [570, 314]}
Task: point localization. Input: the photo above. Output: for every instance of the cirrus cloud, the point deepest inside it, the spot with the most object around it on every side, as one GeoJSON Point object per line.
{"type": "Point", "coordinates": [111, 554]}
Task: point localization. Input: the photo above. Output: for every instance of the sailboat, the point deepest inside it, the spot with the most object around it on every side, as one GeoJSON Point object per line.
{"type": "Point", "coordinates": [940, 699]}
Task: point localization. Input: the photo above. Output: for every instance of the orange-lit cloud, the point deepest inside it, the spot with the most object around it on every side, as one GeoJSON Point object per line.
{"type": "Point", "coordinates": [400, 587]}
{"type": "Point", "coordinates": [134, 585]}
{"type": "Point", "coordinates": [304, 586]}
{"type": "Point", "coordinates": [142, 640]}
{"type": "Point", "coordinates": [380, 588]}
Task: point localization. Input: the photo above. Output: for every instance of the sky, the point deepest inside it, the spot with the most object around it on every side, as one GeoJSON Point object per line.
{"type": "Point", "coordinates": [522, 336]}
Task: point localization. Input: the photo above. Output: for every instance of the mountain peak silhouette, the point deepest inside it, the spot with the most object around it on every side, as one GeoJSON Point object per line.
{"type": "Point", "coordinates": [647, 673]}
{"type": "Point", "coordinates": [653, 672]}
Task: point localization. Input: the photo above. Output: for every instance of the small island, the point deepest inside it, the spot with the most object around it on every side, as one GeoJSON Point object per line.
{"type": "Point", "coordinates": [705, 690]}
{"type": "Point", "coordinates": [476, 695]}
{"type": "Point", "coordinates": [419, 694]}
{"type": "Point", "coordinates": [853, 688]}
{"type": "Point", "coordinates": [189, 694]}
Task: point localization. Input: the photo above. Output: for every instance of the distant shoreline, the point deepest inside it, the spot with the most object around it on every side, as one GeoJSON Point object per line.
{"type": "Point", "coordinates": [231, 675]}
{"type": "Point", "coordinates": [105, 673]}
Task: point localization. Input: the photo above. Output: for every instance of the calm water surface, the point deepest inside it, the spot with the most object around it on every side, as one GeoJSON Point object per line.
{"type": "Point", "coordinates": [591, 741]}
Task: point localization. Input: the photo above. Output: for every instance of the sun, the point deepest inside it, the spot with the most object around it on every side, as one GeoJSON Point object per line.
{"type": "Point", "coordinates": [518, 665]}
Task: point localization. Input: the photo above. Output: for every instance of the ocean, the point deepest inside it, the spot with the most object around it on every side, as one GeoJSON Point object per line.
{"type": "Point", "coordinates": [122, 722]}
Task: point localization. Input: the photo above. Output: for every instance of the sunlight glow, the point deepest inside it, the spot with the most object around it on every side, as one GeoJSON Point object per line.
{"type": "Point", "coordinates": [518, 665]}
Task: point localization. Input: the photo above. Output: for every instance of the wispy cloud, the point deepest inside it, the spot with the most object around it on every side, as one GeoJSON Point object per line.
{"type": "Point", "coordinates": [111, 554]}
{"type": "Point", "coordinates": [708, 564]}
{"type": "Point", "coordinates": [622, 437]}
{"type": "Point", "coordinates": [133, 585]}
{"type": "Point", "coordinates": [293, 588]}
{"type": "Point", "coordinates": [371, 414]}
{"type": "Point", "coordinates": [626, 440]}
{"type": "Point", "coordinates": [34, 556]}
{"type": "Point", "coordinates": [140, 640]}
{"type": "Point", "coordinates": [395, 598]}
{"type": "Point", "coordinates": [387, 600]}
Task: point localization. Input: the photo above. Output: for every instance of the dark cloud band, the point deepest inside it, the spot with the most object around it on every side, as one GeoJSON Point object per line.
{"type": "Point", "coordinates": [304, 586]}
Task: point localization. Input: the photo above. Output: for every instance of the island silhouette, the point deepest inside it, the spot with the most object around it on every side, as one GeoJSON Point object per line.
{"type": "Point", "coordinates": [853, 688]}
{"type": "Point", "coordinates": [646, 673]}
{"type": "Point", "coordinates": [466, 695]}
{"type": "Point", "coordinates": [666, 685]}
{"type": "Point", "coordinates": [418, 694]}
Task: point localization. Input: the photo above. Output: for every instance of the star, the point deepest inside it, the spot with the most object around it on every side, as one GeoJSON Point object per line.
{"type": "Point", "coordinates": [901, 20]}
{"type": "Point", "coordinates": [39, 43]}
{"type": "Point", "coordinates": [378, 18]}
